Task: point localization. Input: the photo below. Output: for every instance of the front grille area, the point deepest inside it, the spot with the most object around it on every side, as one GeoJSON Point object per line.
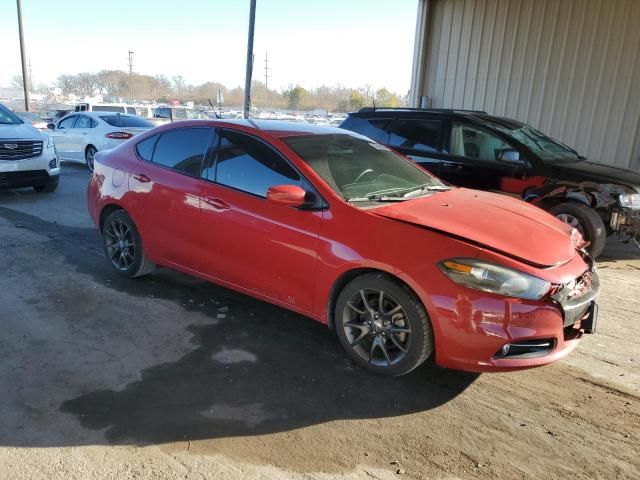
{"type": "Point", "coordinates": [20, 149]}
{"type": "Point", "coordinates": [23, 179]}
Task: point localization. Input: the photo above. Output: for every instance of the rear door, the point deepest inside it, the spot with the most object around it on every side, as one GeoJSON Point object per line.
{"type": "Point", "coordinates": [419, 139]}
{"type": "Point", "coordinates": [166, 185]}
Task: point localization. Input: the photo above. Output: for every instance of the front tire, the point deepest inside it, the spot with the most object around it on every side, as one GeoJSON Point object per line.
{"type": "Point", "coordinates": [123, 246]}
{"type": "Point", "coordinates": [382, 325]}
{"type": "Point", "coordinates": [90, 156]}
{"type": "Point", "coordinates": [586, 220]}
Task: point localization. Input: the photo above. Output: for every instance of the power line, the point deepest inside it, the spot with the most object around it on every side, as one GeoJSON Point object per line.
{"type": "Point", "coordinates": [131, 75]}
{"type": "Point", "coordinates": [266, 80]}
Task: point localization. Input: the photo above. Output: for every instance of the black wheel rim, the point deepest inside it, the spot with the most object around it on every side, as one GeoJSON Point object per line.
{"type": "Point", "coordinates": [91, 155]}
{"type": "Point", "coordinates": [377, 327]}
{"type": "Point", "coordinates": [120, 245]}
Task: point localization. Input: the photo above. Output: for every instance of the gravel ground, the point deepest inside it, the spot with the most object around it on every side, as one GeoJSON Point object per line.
{"type": "Point", "coordinates": [170, 377]}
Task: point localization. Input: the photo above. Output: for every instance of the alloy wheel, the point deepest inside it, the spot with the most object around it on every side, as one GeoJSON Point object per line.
{"type": "Point", "coordinates": [376, 327]}
{"type": "Point", "coordinates": [91, 156]}
{"type": "Point", "coordinates": [120, 244]}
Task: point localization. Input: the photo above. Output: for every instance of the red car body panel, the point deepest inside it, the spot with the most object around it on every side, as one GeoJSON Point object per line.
{"type": "Point", "coordinates": [295, 258]}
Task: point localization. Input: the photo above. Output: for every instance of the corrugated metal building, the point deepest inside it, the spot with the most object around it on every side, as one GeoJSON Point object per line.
{"type": "Point", "coordinates": [571, 68]}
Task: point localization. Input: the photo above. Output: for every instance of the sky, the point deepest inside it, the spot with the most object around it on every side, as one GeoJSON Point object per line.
{"type": "Point", "coordinates": [309, 42]}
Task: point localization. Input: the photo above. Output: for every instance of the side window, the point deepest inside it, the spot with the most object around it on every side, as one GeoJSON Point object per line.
{"type": "Point", "coordinates": [145, 147]}
{"type": "Point", "coordinates": [66, 123]}
{"type": "Point", "coordinates": [375, 128]}
{"type": "Point", "coordinates": [83, 122]}
{"type": "Point", "coordinates": [131, 110]}
{"type": "Point", "coordinates": [472, 142]}
{"type": "Point", "coordinates": [183, 149]}
{"type": "Point", "coordinates": [416, 134]}
{"type": "Point", "coordinates": [247, 164]}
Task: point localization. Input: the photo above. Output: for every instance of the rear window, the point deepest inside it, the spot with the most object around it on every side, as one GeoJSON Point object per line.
{"type": "Point", "coordinates": [146, 146]}
{"type": "Point", "coordinates": [107, 108]}
{"type": "Point", "coordinates": [122, 121]}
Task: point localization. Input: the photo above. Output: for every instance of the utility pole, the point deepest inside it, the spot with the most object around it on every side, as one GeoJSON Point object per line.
{"type": "Point", "coordinates": [30, 73]}
{"type": "Point", "coordinates": [247, 80]}
{"type": "Point", "coordinates": [131, 75]}
{"type": "Point", "coordinates": [23, 54]}
{"type": "Point", "coordinates": [266, 80]}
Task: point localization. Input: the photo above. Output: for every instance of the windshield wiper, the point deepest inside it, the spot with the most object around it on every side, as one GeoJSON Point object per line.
{"type": "Point", "coordinates": [426, 188]}
{"type": "Point", "coordinates": [376, 198]}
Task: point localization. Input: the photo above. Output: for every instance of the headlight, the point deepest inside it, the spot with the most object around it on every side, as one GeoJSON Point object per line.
{"type": "Point", "coordinates": [630, 201]}
{"type": "Point", "coordinates": [50, 143]}
{"type": "Point", "coordinates": [490, 277]}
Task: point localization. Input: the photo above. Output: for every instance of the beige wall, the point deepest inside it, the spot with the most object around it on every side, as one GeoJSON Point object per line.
{"type": "Point", "coordinates": [569, 67]}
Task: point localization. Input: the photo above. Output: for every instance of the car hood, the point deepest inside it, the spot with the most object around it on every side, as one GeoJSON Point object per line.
{"type": "Point", "coordinates": [599, 173]}
{"type": "Point", "coordinates": [497, 222]}
{"type": "Point", "coordinates": [22, 131]}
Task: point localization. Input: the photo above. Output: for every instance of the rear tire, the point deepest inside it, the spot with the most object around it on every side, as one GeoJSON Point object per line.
{"type": "Point", "coordinates": [382, 325]}
{"type": "Point", "coordinates": [90, 156]}
{"type": "Point", "coordinates": [123, 246]}
{"type": "Point", "coordinates": [586, 220]}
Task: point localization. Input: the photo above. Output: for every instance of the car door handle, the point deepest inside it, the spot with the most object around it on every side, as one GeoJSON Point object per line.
{"type": "Point", "coordinates": [216, 203]}
{"type": "Point", "coordinates": [142, 178]}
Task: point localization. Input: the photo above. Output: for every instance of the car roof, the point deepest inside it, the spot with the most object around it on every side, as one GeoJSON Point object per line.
{"type": "Point", "coordinates": [101, 113]}
{"type": "Point", "coordinates": [474, 115]}
{"type": "Point", "coordinates": [283, 128]}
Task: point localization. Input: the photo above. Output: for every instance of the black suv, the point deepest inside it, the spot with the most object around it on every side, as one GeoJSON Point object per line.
{"type": "Point", "coordinates": [475, 150]}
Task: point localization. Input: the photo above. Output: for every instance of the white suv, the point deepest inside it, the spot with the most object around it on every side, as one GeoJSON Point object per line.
{"type": "Point", "coordinates": [27, 156]}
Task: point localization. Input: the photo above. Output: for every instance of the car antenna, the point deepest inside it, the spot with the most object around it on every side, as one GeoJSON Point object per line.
{"type": "Point", "coordinates": [214, 109]}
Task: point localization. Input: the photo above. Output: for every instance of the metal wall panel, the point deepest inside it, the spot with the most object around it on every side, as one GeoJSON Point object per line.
{"type": "Point", "coordinates": [571, 68]}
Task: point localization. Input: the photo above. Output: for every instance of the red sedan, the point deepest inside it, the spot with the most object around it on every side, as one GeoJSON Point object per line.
{"type": "Point", "coordinates": [339, 228]}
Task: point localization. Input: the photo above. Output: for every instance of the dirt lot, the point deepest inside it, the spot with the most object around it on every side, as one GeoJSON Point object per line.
{"type": "Point", "coordinates": [170, 377]}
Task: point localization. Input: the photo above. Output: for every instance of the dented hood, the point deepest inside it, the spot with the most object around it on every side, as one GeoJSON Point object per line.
{"type": "Point", "coordinates": [497, 222]}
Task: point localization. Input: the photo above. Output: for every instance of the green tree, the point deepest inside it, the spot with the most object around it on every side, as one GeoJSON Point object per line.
{"type": "Point", "coordinates": [356, 100]}
{"type": "Point", "coordinates": [385, 98]}
{"type": "Point", "coordinates": [295, 97]}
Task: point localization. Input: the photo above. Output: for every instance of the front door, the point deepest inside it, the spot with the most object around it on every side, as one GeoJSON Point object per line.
{"type": "Point", "coordinates": [474, 161]}
{"type": "Point", "coordinates": [419, 139]}
{"type": "Point", "coordinates": [62, 136]}
{"type": "Point", "coordinates": [268, 249]}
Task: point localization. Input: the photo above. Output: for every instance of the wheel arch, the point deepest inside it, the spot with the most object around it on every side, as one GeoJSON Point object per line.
{"type": "Point", "coordinates": [353, 273]}
{"type": "Point", "coordinates": [106, 211]}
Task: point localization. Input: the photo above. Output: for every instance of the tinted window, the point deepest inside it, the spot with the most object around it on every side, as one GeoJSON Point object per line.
{"type": "Point", "coordinates": [416, 134]}
{"type": "Point", "coordinates": [249, 165]}
{"type": "Point", "coordinates": [131, 110]}
{"type": "Point", "coordinates": [145, 147]}
{"type": "Point", "coordinates": [67, 122]}
{"type": "Point", "coordinates": [107, 108]}
{"type": "Point", "coordinates": [122, 121]}
{"type": "Point", "coordinates": [83, 122]}
{"type": "Point", "coordinates": [472, 142]}
{"type": "Point", "coordinates": [179, 113]}
{"type": "Point", "coordinates": [375, 128]}
{"type": "Point", "coordinates": [183, 149]}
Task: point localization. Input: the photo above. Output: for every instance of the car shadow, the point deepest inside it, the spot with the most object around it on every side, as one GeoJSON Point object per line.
{"type": "Point", "coordinates": [254, 368]}
{"type": "Point", "coordinates": [259, 370]}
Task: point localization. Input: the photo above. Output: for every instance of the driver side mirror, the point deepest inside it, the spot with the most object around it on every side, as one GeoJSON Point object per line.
{"type": "Point", "coordinates": [286, 195]}
{"type": "Point", "coordinates": [51, 126]}
{"type": "Point", "coordinates": [510, 155]}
